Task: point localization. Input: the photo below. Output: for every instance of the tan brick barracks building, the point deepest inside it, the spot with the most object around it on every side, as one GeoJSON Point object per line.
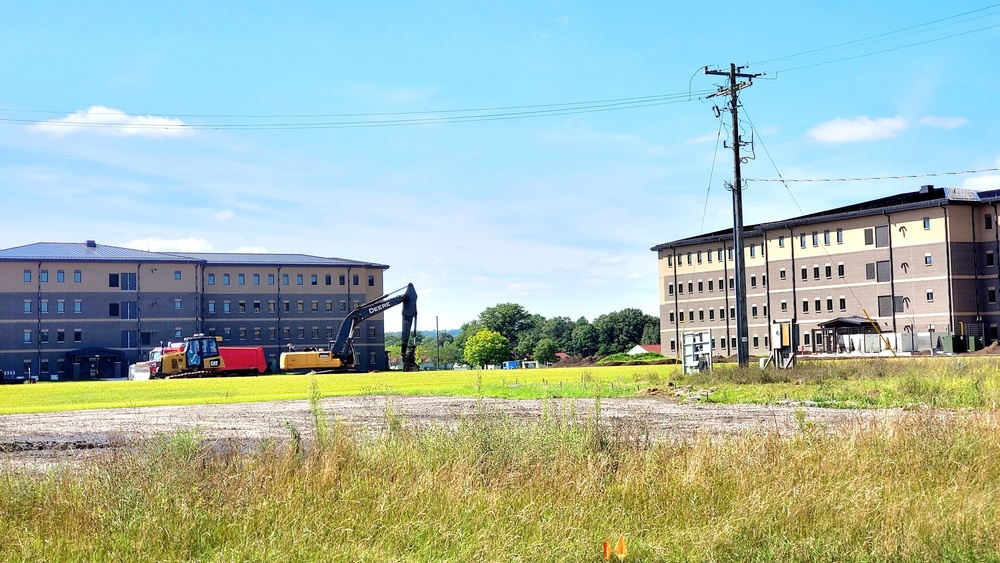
{"type": "Point", "coordinates": [86, 311]}
{"type": "Point", "coordinates": [922, 265]}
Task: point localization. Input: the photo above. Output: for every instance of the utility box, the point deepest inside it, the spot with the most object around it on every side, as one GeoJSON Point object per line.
{"type": "Point", "coordinates": [954, 343]}
{"type": "Point", "coordinates": [697, 351]}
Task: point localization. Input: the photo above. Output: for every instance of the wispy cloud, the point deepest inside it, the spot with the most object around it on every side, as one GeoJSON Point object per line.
{"type": "Point", "coordinates": [706, 138]}
{"type": "Point", "coordinates": [943, 122]}
{"type": "Point", "coordinates": [153, 244]}
{"type": "Point", "coordinates": [990, 182]}
{"type": "Point", "coordinates": [224, 215]}
{"type": "Point", "coordinates": [110, 121]}
{"type": "Point", "coordinates": [858, 129]}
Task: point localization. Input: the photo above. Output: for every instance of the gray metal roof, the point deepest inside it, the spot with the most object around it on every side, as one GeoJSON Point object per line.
{"type": "Point", "coordinates": [225, 258]}
{"type": "Point", "coordinates": [91, 251]}
{"type": "Point", "coordinates": [84, 252]}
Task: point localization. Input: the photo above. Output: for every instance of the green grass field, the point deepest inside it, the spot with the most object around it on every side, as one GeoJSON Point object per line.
{"type": "Point", "coordinates": [966, 382]}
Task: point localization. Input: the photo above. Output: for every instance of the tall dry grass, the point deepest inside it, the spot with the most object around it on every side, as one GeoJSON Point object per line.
{"type": "Point", "coordinates": [495, 488]}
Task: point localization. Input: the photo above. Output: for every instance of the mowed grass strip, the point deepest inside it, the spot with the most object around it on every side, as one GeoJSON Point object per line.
{"type": "Point", "coordinates": [525, 383]}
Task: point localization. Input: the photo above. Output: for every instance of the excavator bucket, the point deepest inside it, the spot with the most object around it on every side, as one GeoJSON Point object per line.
{"type": "Point", "coordinates": [409, 359]}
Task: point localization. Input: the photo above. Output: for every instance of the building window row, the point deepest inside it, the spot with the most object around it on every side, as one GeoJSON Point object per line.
{"type": "Point", "coordinates": [44, 338]}
{"type": "Point", "coordinates": [43, 276]}
{"type": "Point", "coordinates": [300, 279]}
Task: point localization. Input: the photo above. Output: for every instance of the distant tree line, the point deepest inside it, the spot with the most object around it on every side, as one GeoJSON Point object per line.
{"type": "Point", "coordinates": [508, 331]}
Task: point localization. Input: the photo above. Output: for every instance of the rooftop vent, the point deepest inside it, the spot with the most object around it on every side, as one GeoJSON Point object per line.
{"type": "Point", "coordinates": [91, 244]}
{"type": "Point", "coordinates": [926, 188]}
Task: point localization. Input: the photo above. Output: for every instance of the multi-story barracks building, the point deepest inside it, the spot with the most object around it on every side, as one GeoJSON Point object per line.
{"type": "Point", "coordinates": [921, 265]}
{"type": "Point", "coordinates": [86, 311]}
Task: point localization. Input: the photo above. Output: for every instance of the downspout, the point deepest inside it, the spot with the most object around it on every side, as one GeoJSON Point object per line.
{"type": "Point", "coordinates": [725, 284]}
{"type": "Point", "coordinates": [38, 320]}
{"type": "Point", "coordinates": [892, 279]}
{"type": "Point", "coordinates": [975, 265]}
{"type": "Point", "coordinates": [677, 323]}
{"type": "Point", "coordinates": [138, 317]}
{"type": "Point", "coordinates": [767, 288]}
{"type": "Point", "coordinates": [794, 274]}
{"type": "Point", "coordinates": [279, 307]}
{"type": "Point", "coordinates": [947, 258]}
{"type": "Point", "coordinates": [996, 237]}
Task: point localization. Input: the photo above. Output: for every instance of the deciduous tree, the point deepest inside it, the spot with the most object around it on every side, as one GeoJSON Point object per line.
{"type": "Point", "coordinates": [487, 347]}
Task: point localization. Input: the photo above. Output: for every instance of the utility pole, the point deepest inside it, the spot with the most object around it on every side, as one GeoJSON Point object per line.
{"type": "Point", "coordinates": [742, 330]}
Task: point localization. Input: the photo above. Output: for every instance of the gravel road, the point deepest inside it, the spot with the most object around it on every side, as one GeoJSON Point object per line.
{"type": "Point", "coordinates": [49, 437]}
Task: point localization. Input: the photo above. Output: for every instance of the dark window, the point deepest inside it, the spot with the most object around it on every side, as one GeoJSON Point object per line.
{"type": "Point", "coordinates": [990, 261]}
{"type": "Point", "coordinates": [60, 335]}
{"type": "Point", "coordinates": [781, 241]}
{"type": "Point", "coordinates": [77, 276]}
{"type": "Point", "coordinates": [784, 306]}
{"type": "Point", "coordinates": [680, 288]}
{"type": "Point", "coordinates": [241, 307]}
{"type": "Point", "coordinates": [354, 279]}
{"type": "Point", "coordinates": [313, 279]}
{"type": "Point", "coordinates": [753, 311]}
{"type": "Point", "coordinates": [211, 279]}
{"type": "Point", "coordinates": [802, 240]}
{"type": "Point", "coordinates": [898, 304]}
{"type": "Point", "coordinates": [930, 296]}
{"type": "Point", "coordinates": [690, 287]}
{"type": "Point", "coordinates": [829, 304]}
{"type": "Point", "coordinates": [241, 279]}
{"type": "Point", "coordinates": [805, 305]}
{"type": "Point", "coordinates": [699, 257]}
{"type": "Point", "coordinates": [371, 281]}
{"type": "Point", "coordinates": [883, 271]}
{"type": "Point", "coordinates": [701, 286]}
{"type": "Point", "coordinates": [329, 279]}
{"type": "Point", "coordinates": [711, 314]}
{"type": "Point", "coordinates": [128, 281]}
{"type": "Point", "coordinates": [826, 238]}
{"type": "Point", "coordinates": [77, 335]}
{"type": "Point", "coordinates": [988, 221]}
{"type": "Point", "coordinates": [670, 289]}
{"type": "Point", "coordinates": [732, 283]}
{"type": "Point", "coordinates": [818, 305]}
{"type": "Point", "coordinates": [177, 274]}
{"type": "Point", "coordinates": [701, 315]}
{"type": "Point", "coordinates": [870, 271]}
{"type": "Point", "coordinates": [828, 271]}
{"type": "Point", "coordinates": [840, 270]}
{"type": "Point", "coordinates": [843, 304]}
{"type": "Point", "coordinates": [756, 341]}
{"type": "Point", "coordinates": [114, 309]}
{"type": "Point", "coordinates": [343, 279]}
{"type": "Point", "coordinates": [672, 316]}
{"type": "Point", "coordinates": [270, 279]}
{"type": "Point", "coordinates": [60, 276]}
{"type": "Point", "coordinates": [680, 315]}
{"type": "Point", "coordinates": [753, 281]}
{"type": "Point", "coordinates": [710, 285]}
{"type": "Point", "coordinates": [869, 237]}
{"type": "Point", "coordinates": [927, 223]}
{"type": "Point", "coordinates": [884, 305]}
{"type": "Point", "coordinates": [805, 274]}
{"type": "Point", "coordinates": [256, 279]}
{"type": "Point", "coordinates": [992, 295]}
{"type": "Point", "coordinates": [781, 273]}
{"type": "Point", "coordinates": [816, 272]}
{"type": "Point", "coordinates": [225, 279]}
{"type": "Point", "coordinates": [815, 237]}
{"type": "Point", "coordinates": [145, 338]}
{"type": "Point", "coordinates": [113, 280]}
{"type": "Point", "coordinates": [256, 306]}
{"type": "Point", "coordinates": [882, 236]}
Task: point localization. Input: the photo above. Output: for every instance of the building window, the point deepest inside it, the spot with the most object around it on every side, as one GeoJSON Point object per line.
{"type": "Point", "coordinates": [781, 273]}
{"type": "Point", "coordinates": [60, 335]}
{"type": "Point", "coordinates": [77, 335]}
{"type": "Point", "coordinates": [753, 251]}
{"type": "Point", "coordinates": [225, 279]}
{"type": "Point", "coordinates": [711, 314]}
{"type": "Point", "coordinates": [271, 307]}
{"type": "Point", "coordinates": [805, 273]}
{"type": "Point", "coordinates": [354, 279]}
{"type": "Point", "coordinates": [301, 306]}
{"type": "Point", "coordinates": [732, 312]}
{"type": "Point", "coordinates": [270, 279]}
{"type": "Point", "coordinates": [990, 260]}
{"type": "Point", "coordinates": [991, 294]}
{"type": "Point", "coordinates": [719, 254]}
{"type": "Point", "coordinates": [256, 306]}
{"type": "Point", "coordinates": [701, 287]}
{"type": "Point", "coordinates": [284, 279]}
{"type": "Point", "coordinates": [753, 281]}
{"type": "Point", "coordinates": [927, 223]}
{"type": "Point", "coordinates": [843, 304]}
{"type": "Point", "coordinates": [60, 276]}
{"type": "Point", "coordinates": [680, 316]}
{"type": "Point", "coordinates": [27, 305]}
{"type": "Point", "coordinates": [753, 311]}
{"type": "Point", "coordinates": [699, 257]}
{"type": "Point", "coordinates": [302, 333]}
{"type": "Point", "coordinates": [670, 260]}
{"type": "Point", "coordinates": [43, 336]}
{"type": "Point", "coordinates": [870, 271]}
{"type": "Point", "coordinates": [815, 238]}
{"type": "Point", "coordinates": [27, 336]}
{"type": "Point", "coordinates": [256, 279]}
{"type": "Point", "coordinates": [671, 316]}
{"type": "Point", "coordinates": [286, 333]}
{"type": "Point", "coordinates": [828, 270]}
{"type": "Point", "coordinates": [711, 285]}
{"type": "Point", "coordinates": [314, 332]}
{"type": "Point", "coordinates": [689, 258]}
{"type": "Point", "coordinates": [243, 333]}
{"type": "Point", "coordinates": [371, 280]}
{"type": "Point", "coordinates": [299, 280]}
{"type": "Point", "coordinates": [77, 306]}
{"type": "Point", "coordinates": [781, 241]}
{"type": "Point", "coordinates": [756, 341]}
{"type": "Point", "coordinates": [869, 237]}
{"type": "Point", "coordinates": [114, 309]}
{"type": "Point", "coordinates": [701, 315]}
{"type": "Point", "coordinates": [709, 254]}
{"type": "Point", "coordinates": [241, 279]}
{"type": "Point", "coordinates": [227, 333]}
{"type": "Point", "coordinates": [829, 303]}
{"type": "Point", "coordinates": [43, 306]}
{"type": "Point", "coordinates": [805, 305]}
{"type": "Point", "coordinates": [343, 305]}
{"type": "Point", "coordinates": [927, 260]}
{"type": "Point", "coordinates": [784, 305]}
{"type": "Point", "coordinates": [314, 279]}
{"type": "Point", "coordinates": [43, 276]}
{"type": "Point", "coordinates": [840, 236]}
{"type": "Point", "coordinates": [77, 276]}
{"type": "Point", "coordinates": [177, 303]}
{"type": "Point", "coordinates": [27, 276]}
{"type": "Point", "coordinates": [211, 279]}
{"type": "Point", "coordinates": [256, 333]}
{"type": "Point", "coordinates": [271, 333]}
{"type": "Point", "coordinates": [802, 240]}
{"type": "Point", "coordinates": [342, 279]}
{"type": "Point", "coordinates": [60, 306]}
{"type": "Point", "coordinates": [818, 305]}
{"type": "Point", "coordinates": [329, 279]}
{"type": "Point", "coordinates": [241, 307]}
{"type": "Point", "coordinates": [113, 280]}
{"type": "Point", "coordinates": [722, 313]}
{"type": "Point", "coordinates": [177, 274]}
{"type": "Point", "coordinates": [826, 237]}
{"type": "Point", "coordinates": [816, 272]}
{"type": "Point", "coordinates": [670, 289]}
{"type": "Point", "coordinates": [680, 288]}
{"type": "Point", "coordinates": [805, 339]}
{"type": "Point", "coordinates": [225, 307]}
{"type": "Point", "coordinates": [930, 295]}
{"type": "Point", "coordinates": [315, 306]}
{"type": "Point", "coordinates": [211, 306]}
{"type": "Point", "coordinates": [690, 287]}
{"type": "Point", "coordinates": [988, 221]}
{"type": "Point", "coordinates": [882, 236]}
{"type": "Point", "coordinates": [840, 270]}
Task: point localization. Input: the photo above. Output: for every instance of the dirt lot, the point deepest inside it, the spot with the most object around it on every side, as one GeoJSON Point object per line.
{"type": "Point", "coordinates": [41, 439]}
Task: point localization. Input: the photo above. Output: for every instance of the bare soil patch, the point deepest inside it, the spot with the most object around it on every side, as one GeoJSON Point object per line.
{"type": "Point", "coordinates": [42, 439]}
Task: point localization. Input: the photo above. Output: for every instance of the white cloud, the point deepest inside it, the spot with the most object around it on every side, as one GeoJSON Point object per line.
{"type": "Point", "coordinates": [250, 250]}
{"type": "Point", "coordinates": [224, 215]}
{"type": "Point", "coordinates": [990, 182]}
{"type": "Point", "coordinates": [859, 129]}
{"type": "Point", "coordinates": [943, 122]}
{"type": "Point", "coordinates": [154, 244]}
{"type": "Point", "coordinates": [110, 121]}
{"type": "Point", "coordinates": [706, 138]}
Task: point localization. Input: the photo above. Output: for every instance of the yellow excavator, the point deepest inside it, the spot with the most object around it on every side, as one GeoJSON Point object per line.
{"type": "Point", "coordinates": [340, 355]}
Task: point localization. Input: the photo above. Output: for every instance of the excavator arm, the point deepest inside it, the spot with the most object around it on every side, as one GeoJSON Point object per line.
{"type": "Point", "coordinates": [343, 346]}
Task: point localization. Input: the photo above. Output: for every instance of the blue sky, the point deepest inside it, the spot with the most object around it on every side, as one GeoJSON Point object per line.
{"type": "Point", "coordinates": [153, 126]}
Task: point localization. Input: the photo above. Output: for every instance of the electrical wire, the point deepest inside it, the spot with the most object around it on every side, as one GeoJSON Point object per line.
{"type": "Point", "coordinates": [873, 178]}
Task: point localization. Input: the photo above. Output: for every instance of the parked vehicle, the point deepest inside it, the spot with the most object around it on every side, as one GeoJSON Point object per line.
{"type": "Point", "coordinates": [200, 356]}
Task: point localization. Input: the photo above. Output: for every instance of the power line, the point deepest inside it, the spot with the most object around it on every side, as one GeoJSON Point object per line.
{"type": "Point", "coordinates": [872, 178]}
